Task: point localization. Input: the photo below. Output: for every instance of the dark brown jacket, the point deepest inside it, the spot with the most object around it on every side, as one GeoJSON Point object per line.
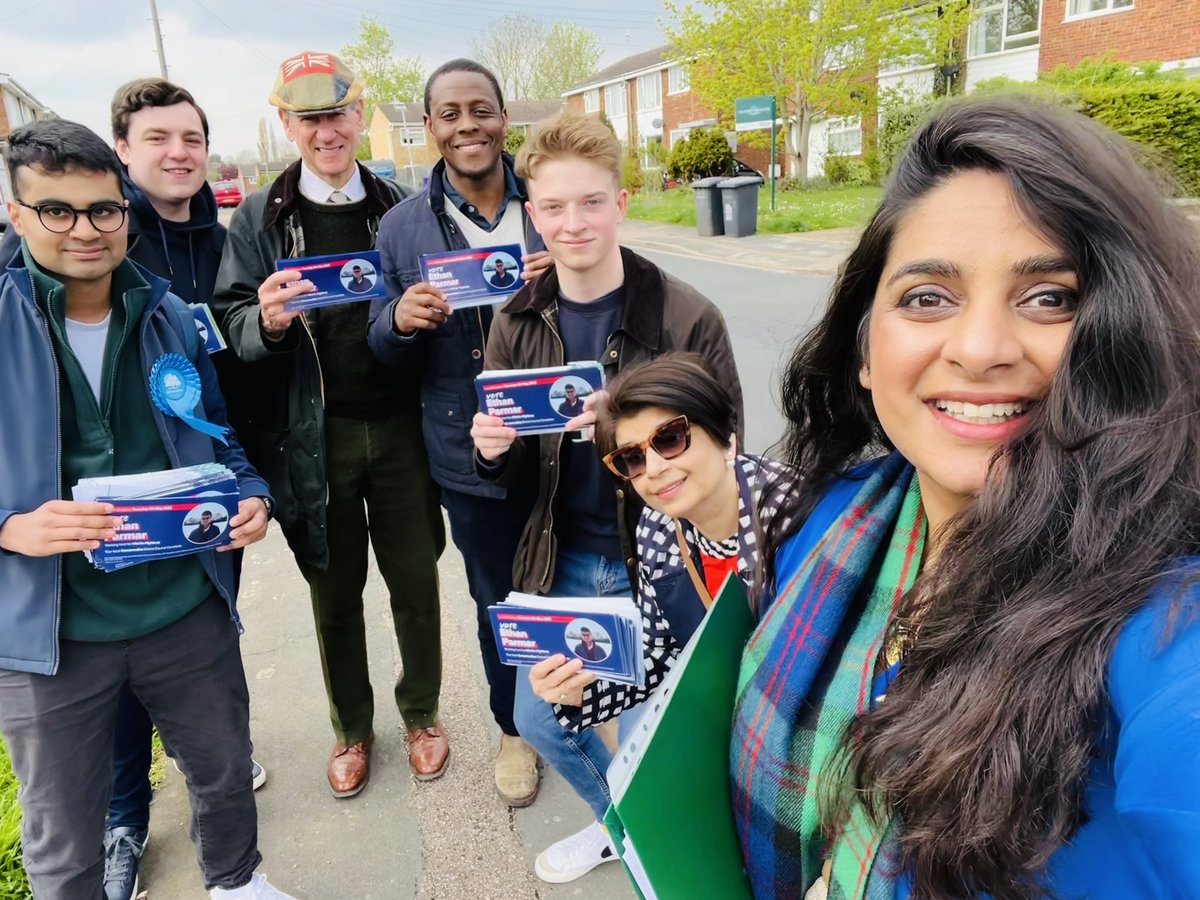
{"type": "Point", "coordinates": [659, 314]}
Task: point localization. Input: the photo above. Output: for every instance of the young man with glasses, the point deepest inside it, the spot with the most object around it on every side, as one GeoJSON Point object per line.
{"type": "Point", "coordinates": [600, 302]}
{"type": "Point", "coordinates": [161, 137]}
{"type": "Point", "coordinates": [82, 327]}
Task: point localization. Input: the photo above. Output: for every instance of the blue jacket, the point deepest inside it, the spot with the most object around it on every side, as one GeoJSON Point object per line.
{"type": "Point", "coordinates": [446, 359]}
{"type": "Point", "coordinates": [31, 450]}
{"type": "Point", "coordinates": [1142, 795]}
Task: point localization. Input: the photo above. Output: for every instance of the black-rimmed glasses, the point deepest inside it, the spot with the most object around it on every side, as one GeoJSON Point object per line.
{"type": "Point", "coordinates": [669, 440]}
{"type": "Point", "coordinates": [60, 218]}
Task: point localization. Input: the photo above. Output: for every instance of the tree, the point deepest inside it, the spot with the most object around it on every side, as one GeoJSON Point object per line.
{"type": "Point", "coordinates": [387, 79]}
{"type": "Point", "coordinates": [228, 171]}
{"type": "Point", "coordinates": [569, 55]}
{"type": "Point", "coordinates": [532, 61]}
{"type": "Point", "coordinates": [268, 145]}
{"type": "Point", "coordinates": [818, 58]}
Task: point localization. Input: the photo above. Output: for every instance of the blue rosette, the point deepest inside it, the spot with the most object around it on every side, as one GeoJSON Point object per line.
{"type": "Point", "coordinates": [175, 389]}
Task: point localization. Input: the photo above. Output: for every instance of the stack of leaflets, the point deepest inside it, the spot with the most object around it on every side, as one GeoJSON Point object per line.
{"type": "Point", "coordinates": [605, 632]}
{"type": "Point", "coordinates": [538, 401]}
{"type": "Point", "coordinates": [170, 513]}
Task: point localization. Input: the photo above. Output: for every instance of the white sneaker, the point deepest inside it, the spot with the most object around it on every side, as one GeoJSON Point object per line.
{"type": "Point", "coordinates": [257, 889]}
{"type": "Point", "coordinates": [575, 856]}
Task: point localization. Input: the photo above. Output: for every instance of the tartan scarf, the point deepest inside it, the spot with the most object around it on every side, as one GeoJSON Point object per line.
{"type": "Point", "coordinates": [795, 699]}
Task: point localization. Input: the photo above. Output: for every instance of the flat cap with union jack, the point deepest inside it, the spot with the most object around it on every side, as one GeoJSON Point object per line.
{"type": "Point", "coordinates": [312, 83]}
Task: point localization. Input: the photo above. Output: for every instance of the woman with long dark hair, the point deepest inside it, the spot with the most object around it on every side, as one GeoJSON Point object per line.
{"type": "Point", "coordinates": [979, 673]}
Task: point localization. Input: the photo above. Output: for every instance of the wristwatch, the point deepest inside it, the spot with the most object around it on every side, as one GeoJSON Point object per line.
{"type": "Point", "coordinates": [270, 505]}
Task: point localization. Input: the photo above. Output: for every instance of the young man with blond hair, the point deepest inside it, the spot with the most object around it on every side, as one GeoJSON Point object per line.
{"type": "Point", "coordinates": [600, 302]}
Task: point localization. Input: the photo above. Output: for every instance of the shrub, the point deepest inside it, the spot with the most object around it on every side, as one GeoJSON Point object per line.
{"type": "Point", "coordinates": [702, 153]}
{"type": "Point", "coordinates": [12, 876]}
{"type": "Point", "coordinates": [514, 139]}
{"type": "Point", "coordinates": [633, 177]}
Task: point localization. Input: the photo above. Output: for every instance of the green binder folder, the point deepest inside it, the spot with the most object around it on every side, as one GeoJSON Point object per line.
{"type": "Point", "coordinates": [671, 817]}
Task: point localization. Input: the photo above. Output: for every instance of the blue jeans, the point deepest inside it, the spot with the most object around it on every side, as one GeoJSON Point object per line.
{"type": "Point", "coordinates": [582, 759]}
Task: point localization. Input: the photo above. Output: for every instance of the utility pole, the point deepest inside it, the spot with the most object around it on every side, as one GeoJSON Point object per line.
{"type": "Point", "coordinates": [162, 59]}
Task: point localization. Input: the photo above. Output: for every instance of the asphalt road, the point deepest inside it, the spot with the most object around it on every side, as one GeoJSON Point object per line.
{"type": "Point", "coordinates": [451, 838]}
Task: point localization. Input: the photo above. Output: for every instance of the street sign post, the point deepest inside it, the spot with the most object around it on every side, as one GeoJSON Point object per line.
{"type": "Point", "coordinates": [754, 114]}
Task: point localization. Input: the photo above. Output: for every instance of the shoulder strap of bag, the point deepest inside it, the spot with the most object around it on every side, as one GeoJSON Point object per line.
{"type": "Point", "coordinates": [690, 564]}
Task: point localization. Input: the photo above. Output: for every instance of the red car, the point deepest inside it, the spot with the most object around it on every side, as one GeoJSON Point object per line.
{"type": "Point", "coordinates": [228, 193]}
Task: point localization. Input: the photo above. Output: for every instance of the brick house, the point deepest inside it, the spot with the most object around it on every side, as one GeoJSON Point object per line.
{"type": "Point", "coordinates": [397, 132]}
{"type": "Point", "coordinates": [17, 107]}
{"type": "Point", "coordinates": [647, 99]}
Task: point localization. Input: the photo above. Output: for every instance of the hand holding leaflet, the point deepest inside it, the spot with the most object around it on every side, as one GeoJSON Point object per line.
{"type": "Point", "coordinates": [164, 514]}
{"type": "Point", "coordinates": [604, 633]}
{"type": "Point", "coordinates": [475, 277]}
{"type": "Point", "coordinates": [539, 401]}
{"type": "Point", "coordinates": [336, 278]}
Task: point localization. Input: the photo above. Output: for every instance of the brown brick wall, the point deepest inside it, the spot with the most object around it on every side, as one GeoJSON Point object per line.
{"type": "Point", "coordinates": [575, 103]}
{"type": "Point", "coordinates": [4, 129]}
{"type": "Point", "coordinates": [1153, 30]}
{"type": "Point", "coordinates": [680, 108]}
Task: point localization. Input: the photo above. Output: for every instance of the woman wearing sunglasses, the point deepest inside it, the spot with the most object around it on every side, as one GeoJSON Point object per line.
{"type": "Point", "coordinates": [672, 424]}
{"type": "Point", "coordinates": [980, 674]}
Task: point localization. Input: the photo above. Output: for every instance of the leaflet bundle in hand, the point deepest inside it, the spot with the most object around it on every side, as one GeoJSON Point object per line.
{"type": "Point", "coordinates": [604, 632]}
{"type": "Point", "coordinates": [174, 512]}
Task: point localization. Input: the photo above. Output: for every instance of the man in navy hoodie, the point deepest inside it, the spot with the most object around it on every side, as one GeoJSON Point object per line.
{"type": "Point", "coordinates": [161, 136]}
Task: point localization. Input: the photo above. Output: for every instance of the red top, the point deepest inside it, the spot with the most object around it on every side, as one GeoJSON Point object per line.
{"type": "Point", "coordinates": [715, 571]}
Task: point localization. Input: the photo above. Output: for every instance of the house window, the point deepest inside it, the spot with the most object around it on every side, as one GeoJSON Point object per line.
{"type": "Point", "coordinates": [412, 135]}
{"type": "Point", "coordinates": [614, 99]}
{"type": "Point", "coordinates": [653, 151]}
{"type": "Point", "coordinates": [591, 100]}
{"type": "Point", "coordinates": [649, 90]}
{"type": "Point", "coordinates": [678, 135]}
{"type": "Point", "coordinates": [677, 80]}
{"type": "Point", "coordinates": [844, 136]}
{"type": "Point", "coordinates": [1088, 7]}
{"type": "Point", "coordinates": [1006, 25]}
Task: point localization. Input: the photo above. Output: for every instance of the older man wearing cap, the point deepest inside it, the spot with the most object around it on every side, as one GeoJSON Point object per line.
{"type": "Point", "coordinates": [337, 436]}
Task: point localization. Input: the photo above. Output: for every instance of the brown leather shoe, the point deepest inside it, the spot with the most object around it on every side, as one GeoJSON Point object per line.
{"type": "Point", "coordinates": [428, 751]}
{"type": "Point", "coordinates": [349, 768]}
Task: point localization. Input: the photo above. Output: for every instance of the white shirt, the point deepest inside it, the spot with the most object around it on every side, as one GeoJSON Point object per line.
{"type": "Point", "coordinates": [316, 189]}
{"type": "Point", "coordinates": [87, 340]}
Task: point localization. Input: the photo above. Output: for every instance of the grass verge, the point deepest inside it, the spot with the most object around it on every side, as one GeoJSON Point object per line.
{"type": "Point", "coordinates": [13, 885]}
{"type": "Point", "coordinates": [812, 210]}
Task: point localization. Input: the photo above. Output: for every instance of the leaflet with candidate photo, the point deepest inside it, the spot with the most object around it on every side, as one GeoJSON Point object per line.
{"type": "Point", "coordinates": [474, 277]}
{"type": "Point", "coordinates": [538, 401]}
{"type": "Point", "coordinates": [206, 327]}
{"type": "Point", "coordinates": [604, 632]}
{"type": "Point", "coordinates": [338, 278]}
{"type": "Point", "coordinates": [164, 514]}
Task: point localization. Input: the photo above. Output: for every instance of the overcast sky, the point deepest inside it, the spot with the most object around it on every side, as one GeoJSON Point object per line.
{"type": "Point", "coordinates": [72, 54]}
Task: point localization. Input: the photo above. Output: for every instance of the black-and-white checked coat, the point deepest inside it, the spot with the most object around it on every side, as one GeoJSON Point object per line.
{"type": "Point", "coordinates": [762, 484]}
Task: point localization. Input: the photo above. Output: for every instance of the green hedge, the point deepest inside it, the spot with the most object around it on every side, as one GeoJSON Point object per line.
{"type": "Point", "coordinates": [1163, 116]}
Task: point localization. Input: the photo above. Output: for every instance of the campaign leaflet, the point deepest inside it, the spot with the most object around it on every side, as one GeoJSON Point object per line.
{"type": "Point", "coordinates": [604, 632]}
{"type": "Point", "coordinates": [176, 512]}
{"type": "Point", "coordinates": [206, 327]}
{"type": "Point", "coordinates": [538, 401]}
{"type": "Point", "coordinates": [474, 277]}
{"type": "Point", "coordinates": [339, 278]}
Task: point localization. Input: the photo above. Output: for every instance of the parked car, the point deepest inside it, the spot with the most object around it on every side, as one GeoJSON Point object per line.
{"type": "Point", "coordinates": [228, 193]}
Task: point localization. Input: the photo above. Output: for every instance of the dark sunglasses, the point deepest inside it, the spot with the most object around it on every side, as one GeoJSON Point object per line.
{"type": "Point", "coordinates": [669, 439]}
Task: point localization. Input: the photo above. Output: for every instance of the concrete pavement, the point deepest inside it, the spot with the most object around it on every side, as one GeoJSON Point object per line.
{"type": "Point", "coordinates": [449, 838]}
{"type": "Point", "coordinates": [806, 253]}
